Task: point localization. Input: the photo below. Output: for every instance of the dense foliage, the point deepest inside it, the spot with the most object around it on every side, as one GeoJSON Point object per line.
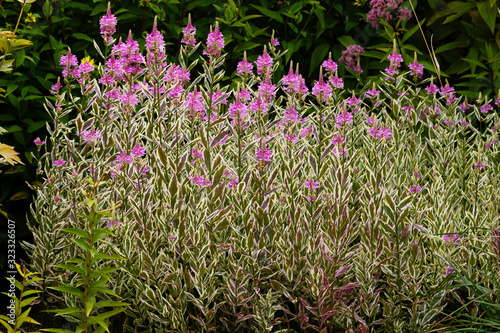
{"type": "Point", "coordinates": [224, 187]}
{"type": "Point", "coordinates": [186, 201]}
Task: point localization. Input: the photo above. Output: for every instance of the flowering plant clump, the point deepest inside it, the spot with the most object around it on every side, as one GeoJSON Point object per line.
{"type": "Point", "coordinates": [200, 207]}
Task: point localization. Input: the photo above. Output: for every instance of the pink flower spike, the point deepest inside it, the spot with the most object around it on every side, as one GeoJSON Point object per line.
{"type": "Point", "coordinates": [138, 151]}
{"type": "Point", "coordinates": [449, 238]}
{"type": "Point", "coordinates": [189, 32]}
{"type": "Point", "coordinates": [479, 165]}
{"type": "Point", "coordinates": [449, 270]}
{"type": "Point", "coordinates": [330, 66]}
{"type": "Point", "coordinates": [416, 68]}
{"type": "Point", "coordinates": [486, 107]}
{"type": "Point", "coordinates": [264, 63]}
{"type": "Point", "coordinates": [311, 184]}
{"type": "Point", "coordinates": [244, 67]}
{"type": "Point", "coordinates": [108, 24]}
{"type": "Point", "coordinates": [431, 89]}
{"type": "Point", "coordinates": [59, 162]}
{"type": "Point", "coordinates": [38, 142]}
{"type": "Point", "coordinates": [215, 42]}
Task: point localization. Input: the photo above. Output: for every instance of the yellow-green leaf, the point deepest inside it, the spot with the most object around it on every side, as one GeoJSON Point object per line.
{"type": "Point", "coordinates": [9, 154]}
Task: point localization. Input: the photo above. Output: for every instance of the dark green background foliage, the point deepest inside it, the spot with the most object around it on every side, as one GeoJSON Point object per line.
{"type": "Point", "coordinates": [464, 35]}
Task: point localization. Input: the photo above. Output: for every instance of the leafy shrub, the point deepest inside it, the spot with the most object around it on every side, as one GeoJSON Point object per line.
{"type": "Point", "coordinates": [241, 208]}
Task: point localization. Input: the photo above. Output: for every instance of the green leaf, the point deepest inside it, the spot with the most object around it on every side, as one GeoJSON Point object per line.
{"type": "Point", "coordinates": [83, 244]}
{"type": "Point", "coordinates": [346, 40]}
{"type": "Point", "coordinates": [488, 14]}
{"type": "Point", "coordinates": [475, 62]}
{"type": "Point", "coordinates": [71, 268]}
{"type": "Point", "coordinates": [100, 233]}
{"type": "Point", "coordinates": [110, 303]}
{"type": "Point", "coordinates": [454, 7]}
{"type": "Point", "coordinates": [77, 261]}
{"type": "Point", "coordinates": [78, 232]}
{"type": "Point", "coordinates": [110, 313]}
{"type": "Point", "coordinates": [19, 196]}
{"type": "Point", "coordinates": [71, 290]}
{"type": "Point", "coordinates": [81, 36]}
{"type": "Point", "coordinates": [4, 322]}
{"type": "Point", "coordinates": [105, 291]}
{"type": "Point", "coordinates": [56, 330]}
{"type": "Point", "coordinates": [318, 55]}
{"type": "Point", "coordinates": [31, 292]}
{"type": "Point", "coordinates": [448, 46]}
{"type": "Point", "coordinates": [269, 13]}
{"type": "Point", "coordinates": [410, 32]}
{"type": "Point", "coordinates": [27, 301]}
{"type": "Point", "coordinates": [20, 44]}
{"type": "Point", "coordinates": [98, 320]}
{"type": "Point", "coordinates": [89, 305]}
{"type": "Point", "coordinates": [108, 256]}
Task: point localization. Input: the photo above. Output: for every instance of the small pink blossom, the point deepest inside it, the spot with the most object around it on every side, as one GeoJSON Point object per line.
{"type": "Point", "coordinates": [322, 90]}
{"type": "Point", "coordinates": [372, 93]}
{"type": "Point", "coordinates": [38, 142]}
{"type": "Point", "coordinates": [479, 165]}
{"type": "Point", "coordinates": [449, 238]}
{"type": "Point", "coordinates": [414, 190]}
{"type": "Point", "coordinates": [311, 184]}
{"type": "Point", "coordinates": [416, 68]}
{"type": "Point", "coordinates": [431, 89]}
{"type": "Point", "coordinates": [336, 82]}
{"type": "Point", "coordinates": [215, 42]}
{"type": "Point", "coordinates": [244, 67]}
{"type": "Point", "coordinates": [200, 180]}
{"type": "Point", "coordinates": [124, 158]}
{"type": "Point", "coordinates": [337, 139]}
{"type": "Point", "coordinates": [305, 131]}
{"type": "Point", "coordinates": [344, 118]}
{"type": "Point", "coordinates": [264, 63]}
{"type": "Point", "coordinates": [486, 107]}
{"type": "Point", "coordinates": [138, 151]}
{"type": "Point", "coordinates": [330, 66]}
{"type": "Point", "coordinates": [91, 136]}
{"type": "Point", "coordinates": [188, 33]}
{"type": "Point", "coordinates": [292, 139]}
{"type": "Point", "coordinates": [449, 270]}
{"type": "Point", "coordinates": [59, 162]}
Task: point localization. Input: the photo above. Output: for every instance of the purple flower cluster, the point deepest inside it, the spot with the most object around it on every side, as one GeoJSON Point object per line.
{"type": "Point", "coordinates": [293, 83]}
{"type": "Point", "coordinates": [108, 26]}
{"type": "Point", "coordinates": [264, 63]}
{"type": "Point", "coordinates": [155, 45]}
{"type": "Point", "coordinates": [322, 90]}
{"type": "Point", "coordinates": [380, 133]}
{"type": "Point", "coordinates": [194, 105]}
{"type": "Point", "coordinates": [238, 112]}
{"type": "Point", "coordinates": [188, 34]}
{"type": "Point", "coordinates": [385, 9]}
{"type": "Point", "coordinates": [395, 62]}
{"type": "Point", "coordinates": [244, 67]}
{"type": "Point", "coordinates": [200, 180]}
{"type": "Point", "coordinates": [215, 42]}
{"type": "Point", "coordinates": [416, 68]}
{"type": "Point", "coordinates": [351, 57]}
